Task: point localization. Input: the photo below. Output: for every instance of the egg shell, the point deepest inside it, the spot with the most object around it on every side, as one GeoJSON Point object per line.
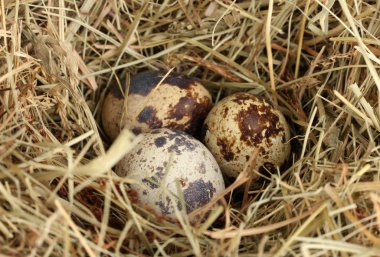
{"type": "Point", "coordinates": [112, 115]}
{"type": "Point", "coordinates": [241, 123]}
{"type": "Point", "coordinates": [164, 158]}
{"type": "Point", "coordinates": [177, 102]}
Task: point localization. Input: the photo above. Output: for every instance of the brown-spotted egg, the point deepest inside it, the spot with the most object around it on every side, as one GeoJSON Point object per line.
{"type": "Point", "coordinates": [241, 123]}
{"type": "Point", "coordinates": [167, 165]}
{"type": "Point", "coordinates": [177, 102]}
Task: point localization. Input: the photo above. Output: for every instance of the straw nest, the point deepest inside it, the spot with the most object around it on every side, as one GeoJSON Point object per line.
{"type": "Point", "coordinates": [317, 60]}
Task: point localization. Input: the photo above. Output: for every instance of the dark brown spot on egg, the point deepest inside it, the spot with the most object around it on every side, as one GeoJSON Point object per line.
{"type": "Point", "coordinates": [225, 112]}
{"type": "Point", "coordinates": [199, 114]}
{"type": "Point", "coordinates": [179, 81]}
{"type": "Point", "coordinates": [144, 82]}
{"type": "Point", "coordinates": [136, 131]}
{"type": "Point", "coordinates": [184, 107]}
{"type": "Point", "coordinates": [182, 142]}
{"type": "Point", "coordinates": [148, 116]}
{"type": "Point", "coordinates": [192, 107]}
{"type": "Point", "coordinates": [185, 141]}
{"type": "Point", "coordinates": [160, 141]}
{"type": "Point", "coordinates": [226, 148]}
{"type": "Point", "coordinates": [154, 181]}
{"type": "Point", "coordinates": [197, 194]}
{"type": "Point", "coordinates": [164, 205]}
{"type": "Point", "coordinates": [117, 90]}
{"type": "Point", "coordinates": [258, 123]}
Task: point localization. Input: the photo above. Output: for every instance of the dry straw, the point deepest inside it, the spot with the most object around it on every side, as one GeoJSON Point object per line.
{"type": "Point", "coordinates": [317, 60]}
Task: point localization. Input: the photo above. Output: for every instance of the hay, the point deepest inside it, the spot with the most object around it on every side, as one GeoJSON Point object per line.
{"type": "Point", "coordinates": [317, 60]}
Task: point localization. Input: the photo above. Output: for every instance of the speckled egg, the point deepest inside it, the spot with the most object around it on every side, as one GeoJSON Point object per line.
{"type": "Point", "coordinates": [177, 102]}
{"type": "Point", "coordinates": [241, 123]}
{"type": "Point", "coordinates": [165, 159]}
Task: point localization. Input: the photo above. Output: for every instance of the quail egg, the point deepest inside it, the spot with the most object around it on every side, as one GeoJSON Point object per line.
{"type": "Point", "coordinates": [170, 165]}
{"type": "Point", "coordinates": [177, 103]}
{"type": "Point", "coordinates": [241, 123]}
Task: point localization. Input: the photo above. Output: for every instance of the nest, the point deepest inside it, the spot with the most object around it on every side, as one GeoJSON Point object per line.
{"type": "Point", "coordinates": [317, 61]}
